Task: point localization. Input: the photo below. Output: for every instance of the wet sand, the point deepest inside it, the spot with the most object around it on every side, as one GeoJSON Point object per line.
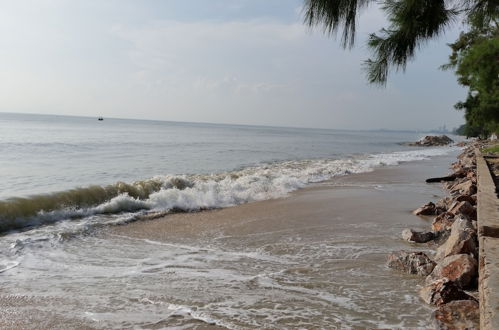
{"type": "Point", "coordinates": [315, 259]}
{"type": "Point", "coordinates": [336, 235]}
{"type": "Point", "coordinates": [385, 196]}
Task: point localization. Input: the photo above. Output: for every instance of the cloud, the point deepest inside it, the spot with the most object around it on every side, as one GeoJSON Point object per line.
{"type": "Point", "coordinates": [171, 45]}
{"type": "Point", "coordinates": [245, 65]}
{"type": "Point", "coordinates": [236, 58]}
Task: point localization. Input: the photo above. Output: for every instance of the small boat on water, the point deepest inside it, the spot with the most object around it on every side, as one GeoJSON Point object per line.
{"type": "Point", "coordinates": [100, 119]}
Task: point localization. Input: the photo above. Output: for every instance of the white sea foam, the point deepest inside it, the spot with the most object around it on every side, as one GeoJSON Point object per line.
{"type": "Point", "coordinates": [272, 180]}
{"type": "Point", "coordinates": [199, 192]}
{"type": "Point", "coordinates": [8, 264]}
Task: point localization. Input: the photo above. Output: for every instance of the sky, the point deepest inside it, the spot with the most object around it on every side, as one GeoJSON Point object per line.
{"type": "Point", "coordinates": [218, 61]}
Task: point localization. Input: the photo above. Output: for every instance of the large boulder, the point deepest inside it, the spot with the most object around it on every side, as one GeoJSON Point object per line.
{"type": "Point", "coordinates": [441, 292]}
{"type": "Point", "coordinates": [467, 198]}
{"type": "Point", "coordinates": [462, 240]}
{"type": "Point", "coordinates": [427, 209]}
{"type": "Point", "coordinates": [461, 172]}
{"type": "Point", "coordinates": [444, 203]}
{"type": "Point", "coordinates": [417, 236]}
{"type": "Point", "coordinates": [433, 140]}
{"type": "Point", "coordinates": [458, 314]}
{"type": "Point", "coordinates": [443, 221]}
{"type": "Point", "coordinates": [467, 160]}
{"type": "Point", "coordinates": [440, 237]}
{"type": "Point", "coordinates": [463, 208]}
{"type": "Point", "coordinates": [411, 262]}
{"type": "Point", "coordinates": [472, 176]}
{"type": "Point", "coordinates": [462, 269]}
{"type": "Point", "coordinates": [466, 188]}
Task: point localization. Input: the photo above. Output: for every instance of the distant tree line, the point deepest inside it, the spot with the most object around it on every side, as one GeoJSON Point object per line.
{"type": "Point", "coordinates": [474, 57]}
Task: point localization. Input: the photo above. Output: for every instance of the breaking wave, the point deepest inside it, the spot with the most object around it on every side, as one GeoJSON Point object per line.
{"type": "Point", "coordinates": [191, 192]}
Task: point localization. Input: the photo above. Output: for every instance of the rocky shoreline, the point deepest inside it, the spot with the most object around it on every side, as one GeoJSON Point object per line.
{"type": "Point", "coordinates": [451, 272]}
{"type": "Point", "coordinates": [432, 140]}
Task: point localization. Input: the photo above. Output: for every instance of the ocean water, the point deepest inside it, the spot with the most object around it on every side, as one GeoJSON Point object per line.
{"type": "Point", "coordinates": [65, 178]}
{"type": "Point", "coordinates": [46, 154]}
{"type": "Point", "coordinates": [55, 167]}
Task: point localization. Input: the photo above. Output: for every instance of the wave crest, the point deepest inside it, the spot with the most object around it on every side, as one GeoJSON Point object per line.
{"type": "Point", "coordinates": [194, 192]}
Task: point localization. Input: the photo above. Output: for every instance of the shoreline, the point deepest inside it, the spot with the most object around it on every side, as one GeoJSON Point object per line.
{"type": "Point", "coordinates": [451, 270]}
{"type": "Point", "coordinates": [375, 205]}
{"type": "Point", "coordinates": [389, 175]}
{"type": "Point", "coordinates": [314, 259]}
{"type": "Point", "coordinates": [207, 191]}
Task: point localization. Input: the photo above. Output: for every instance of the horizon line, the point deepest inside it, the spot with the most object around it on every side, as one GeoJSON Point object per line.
{"type": "Point", "coordinates": [429, 130]}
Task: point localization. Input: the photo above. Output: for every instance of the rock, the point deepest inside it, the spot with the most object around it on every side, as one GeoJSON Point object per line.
{"type": "Point", "coordinates": [462, 240]}
{"type": "Point", "coordinates": [460, 173]}
{"type": "Point", "coordinates": [444, 203]}
{"type": "Point", "coordinates": [456, 166]}
{"type": "Point", "coordinates": [475, 198]}
{"type": "Point", "coordinates": [461, 269]}
{"type": "Point", "coordinates": [449, 185]}
{"type": "Point", "coordinates": [471, 175]}
{"type": "Point", "coordinates": [417, 236]}
{"type": "Point", "coordinates": [458, 314]}
{"type": "Point", "coordinates": [411, 262]}
{"type": "Point", "coordinates": [441, 236]}
{"type": "Point", "coordinates": [463, 222]}
{"type": "Point", "coordinates": [467, 198]}
{"type": "Point", "coordinates": [463, 208]}
{"type": "Point", "coordinates": [430, 140]}
{"type": "Point", "coordinates": [443, 221]}
{"type": "Point", "coordinates": [467, 161]}
{"type": "Point", "coordinates": [465, 188]}
{"type": "Point", "coordinates": [442, 292]}
{"type": "Point", "coordinates": [439, 210]}
{"type": "Point", "coordinates": [427, 209]}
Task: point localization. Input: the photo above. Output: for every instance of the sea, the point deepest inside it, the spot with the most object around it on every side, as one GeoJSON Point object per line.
{"type": "Point", "coordinates": [66, 179]}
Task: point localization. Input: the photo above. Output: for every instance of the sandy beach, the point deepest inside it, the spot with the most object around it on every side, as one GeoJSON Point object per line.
{"type": "Point", "coordinates": [385, 196]}
{"type": "Point", "coordinates": [334, 238]}
{"type": "Point", "coordinates": [233, 165]}
{"type": "Point", "coordinates": [315, 259]}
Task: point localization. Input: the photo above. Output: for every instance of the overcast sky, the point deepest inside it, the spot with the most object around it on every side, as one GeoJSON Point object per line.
{"type": "Point", "coordinates": [219, 61]}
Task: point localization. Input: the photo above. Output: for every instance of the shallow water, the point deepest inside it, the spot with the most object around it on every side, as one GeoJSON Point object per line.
{"type": "Point", "coordinates": [123, 282]}
{"type": "Point", "coordinates": [316, 262]}
{"type": "Point", "coordinates": [44, 154]}
{"type": "Point", "coordinates": [91, 172]}
{"type": "Point", "coordinates": [312, 260]}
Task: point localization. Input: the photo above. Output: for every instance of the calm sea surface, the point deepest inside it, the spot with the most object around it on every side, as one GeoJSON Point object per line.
{"type": "Point", "coordinates": [43, 154]}
{"type": "Point", "coordinates": [63, 178]}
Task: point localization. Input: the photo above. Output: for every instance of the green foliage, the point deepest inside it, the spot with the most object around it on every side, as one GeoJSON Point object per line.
{"type": "Point", "coordinates": [475, 58]}
{"type": "Point", "coordinates": [475, 55]}
{"type": "Point", "coordinates": [412, 23]}
{"type": "Point", "coordinates": [333, 14]}
{"type": "Point", "coordinates": [491, 150]}
{"type": "Point", "coordinates": [468, 131]}
{"type": "Point", "coordinates": [461, 130]}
